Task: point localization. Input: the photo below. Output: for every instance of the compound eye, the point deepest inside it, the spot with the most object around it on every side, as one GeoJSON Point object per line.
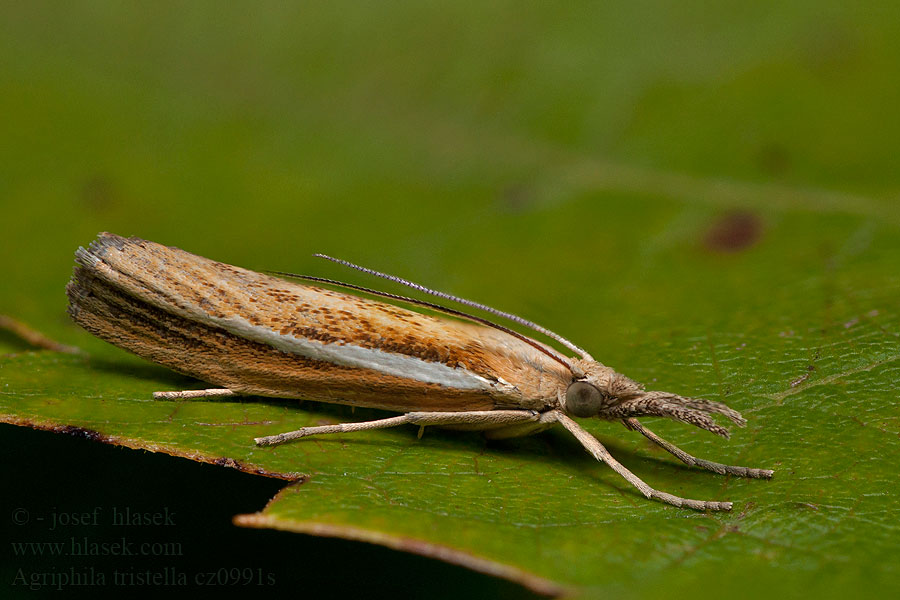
{"type": "Point", "coordinates": [583, 399]}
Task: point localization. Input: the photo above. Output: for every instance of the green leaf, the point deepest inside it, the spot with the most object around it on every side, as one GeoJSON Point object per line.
{"type": "Point", "coordinates": [704, 199]}
{"type": "Point", "coordinates": [539, 510]}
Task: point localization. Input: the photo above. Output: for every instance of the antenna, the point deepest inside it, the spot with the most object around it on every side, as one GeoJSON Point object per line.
{"type": "Point", "coordinates": [478, 305]}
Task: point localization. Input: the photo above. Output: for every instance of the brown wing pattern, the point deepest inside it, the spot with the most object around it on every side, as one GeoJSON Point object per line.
{"type": "Point", "coordinates": [155, 301]}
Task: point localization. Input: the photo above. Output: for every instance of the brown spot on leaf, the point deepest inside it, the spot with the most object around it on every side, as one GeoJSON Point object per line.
{"type": "Point", "coordinates": [226, 461]}
{"type": "Point", "coordinates": [516, 198]}
{"type": "Point", "coordinates": [774, 159]}
{"type": "Point", "coordinates": [733, 232]}
{"type": "Point", "coordinates": [89, 434]}
{"type": "Point", "coordinates": [98, 193]}
{"type": "Point", "coordinates": [804, 377]}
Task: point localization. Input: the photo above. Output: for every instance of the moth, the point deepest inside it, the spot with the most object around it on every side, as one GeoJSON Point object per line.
{"type": "Point", "coordinates": [252, 333]}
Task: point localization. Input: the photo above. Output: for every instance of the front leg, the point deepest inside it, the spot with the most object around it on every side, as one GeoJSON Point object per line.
{"type": "Point", "coordinates": [598, 451]}
{"type": "Point", "coordinates": [687, 459]}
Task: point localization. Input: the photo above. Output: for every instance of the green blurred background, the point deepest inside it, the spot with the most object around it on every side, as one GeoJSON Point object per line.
{"type": "Point", "coordinates": [665, 176]}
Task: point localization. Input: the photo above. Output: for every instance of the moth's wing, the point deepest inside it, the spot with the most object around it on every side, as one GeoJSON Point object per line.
{"type": "Point", "coordinates": [257, 334]}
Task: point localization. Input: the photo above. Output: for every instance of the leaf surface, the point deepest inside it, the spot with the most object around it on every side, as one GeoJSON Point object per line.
{"type": "Point", "coordinates": [704, 199]}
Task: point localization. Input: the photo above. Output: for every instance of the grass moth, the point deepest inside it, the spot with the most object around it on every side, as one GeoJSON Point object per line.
{"type": "Point", "coordinates": [255, 334]}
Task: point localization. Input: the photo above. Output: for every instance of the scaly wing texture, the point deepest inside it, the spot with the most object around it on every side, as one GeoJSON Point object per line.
{"type": "Point", "coordinates": [222, 324]}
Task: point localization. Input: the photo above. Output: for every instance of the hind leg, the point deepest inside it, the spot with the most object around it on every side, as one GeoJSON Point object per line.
{"type": "Point", "coordinates": [543, 422]}
{"type": "Point", "coordinates": [470, 420]}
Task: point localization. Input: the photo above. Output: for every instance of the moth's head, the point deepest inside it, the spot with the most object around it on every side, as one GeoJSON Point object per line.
{"type": "Point", "coordinates": [598, 391]}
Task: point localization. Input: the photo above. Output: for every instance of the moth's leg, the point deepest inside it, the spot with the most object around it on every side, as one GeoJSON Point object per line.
{"type": "Point", "coordinates": [193, 394]}
{"type": "Point", "coordinates": [474, 419]}
{"type": "Point", "coordinates": [686, 458]}
{"type": "Point", "coordinates": [274, 440]}
{"type": "Point", "coordinates": [596, 449]}
{"type": "Point", "coordinates": [545, 421]}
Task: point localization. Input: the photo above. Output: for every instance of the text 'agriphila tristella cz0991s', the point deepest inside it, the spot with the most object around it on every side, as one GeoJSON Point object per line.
{"type": "Point", "coordinates": [256, 334]}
